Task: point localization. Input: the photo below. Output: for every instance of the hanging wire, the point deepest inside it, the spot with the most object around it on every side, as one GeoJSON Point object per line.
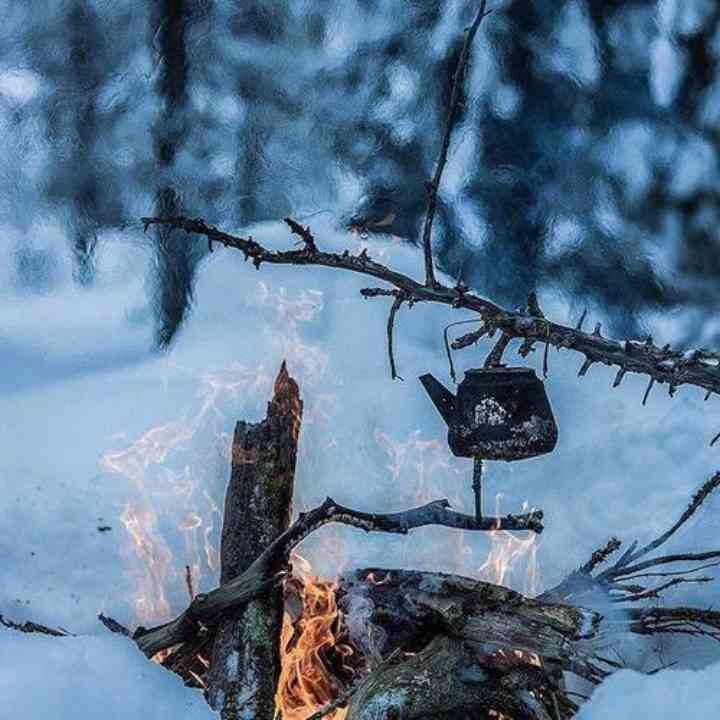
{"type": "Point", "coordinates": [447, 343]}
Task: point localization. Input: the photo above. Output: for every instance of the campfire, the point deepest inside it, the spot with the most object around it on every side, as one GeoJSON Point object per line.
{"type": "Point", "coordinates": [275, 640]}
{"type": "Point", "coordinates": [220, 592]}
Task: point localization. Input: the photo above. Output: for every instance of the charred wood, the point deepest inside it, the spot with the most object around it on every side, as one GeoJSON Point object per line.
{"type": "Point", "coordinates": [245, 664]}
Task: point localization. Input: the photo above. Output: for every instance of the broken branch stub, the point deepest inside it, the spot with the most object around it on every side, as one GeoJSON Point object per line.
{"type": "Point", "coordinates": [245, 665]}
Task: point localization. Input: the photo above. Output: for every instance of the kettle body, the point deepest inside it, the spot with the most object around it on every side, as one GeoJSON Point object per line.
{"type": "Point", "coordinates": [499, 413]}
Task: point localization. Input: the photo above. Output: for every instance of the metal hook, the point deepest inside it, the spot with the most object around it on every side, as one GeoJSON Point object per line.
{"type": "Point", "coordinates": [447, 343]}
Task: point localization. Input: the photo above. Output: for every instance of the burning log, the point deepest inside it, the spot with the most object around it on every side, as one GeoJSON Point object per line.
{"type": "Point", "coordinates": [503, 652]}
{"type": "Point", "coordinates": [447, 680]}
{"type": "Point", "coordinates": [457, 647]}
{"type": "Point", "coordinates": [245, 664]}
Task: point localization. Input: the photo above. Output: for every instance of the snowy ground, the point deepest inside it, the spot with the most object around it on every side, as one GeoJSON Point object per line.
{"type": "Point", "coordinates": [89, 678]}
{"type": "Point", "coordinates": [81, 390]}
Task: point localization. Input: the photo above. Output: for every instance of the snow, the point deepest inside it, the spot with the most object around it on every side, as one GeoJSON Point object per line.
{"type": "Point", "coordinates": [628, 695]}
{"type": "Point", "coordinates": [89, 678]}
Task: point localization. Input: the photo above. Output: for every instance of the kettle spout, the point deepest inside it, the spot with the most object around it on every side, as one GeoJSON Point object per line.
{"type": "Point", "coordinates": [443, 399]}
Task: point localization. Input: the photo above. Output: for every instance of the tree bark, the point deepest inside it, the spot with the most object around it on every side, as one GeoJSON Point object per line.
{"type": "Point", "coordinates": [447, 680]}
{"type": "Point", "coordinates": [246, 658]}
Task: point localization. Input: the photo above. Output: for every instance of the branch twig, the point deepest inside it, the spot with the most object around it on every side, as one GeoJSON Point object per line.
{"type": "Point", "coordinates": [698, 368]}
{"type": "Point", "coordinates": [621, 567]}
{"type": "Point", "coordinates": [434, 185]}
{"type": "Point", "coordinates": [399, 299]}
{"type": "Point", "coordinates": [33, 627]}
{"type": "Point", "coordinates": [620, 576]}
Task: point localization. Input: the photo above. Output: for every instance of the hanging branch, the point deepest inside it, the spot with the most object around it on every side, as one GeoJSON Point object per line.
{"type": "Point", "coordinates": [450, 118]}
{"type": "Point", "coordinates": [494, 359]}
{"type": "Point", "coordinates": [661, 364]}
{"type": "Point", "coordinates": [698, 367]}
{"type": "Point", "coordinates": [399, 300]}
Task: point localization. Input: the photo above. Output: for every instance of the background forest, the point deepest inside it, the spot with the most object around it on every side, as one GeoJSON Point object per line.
{"type": "Point", "coordinates": [586, 161]}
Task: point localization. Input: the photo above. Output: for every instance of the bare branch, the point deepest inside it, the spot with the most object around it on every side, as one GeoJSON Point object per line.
{"type": "Point", "coordinates": [675, 620]}
{"type": "Point", "coordinates": [33, 627]}
{"type": "Point", "coordinates": [664, 365]}
{"type": "Point", "coordinates": [683, 571]}
{"type": "Point", "coordinates": [113, 625]}
{"type": "Point", "coordinates": [450, 118]}
{"type": "Point", "coordinates": [471, 338]}
{"type": "Point", "coordinates": [581, 320]}
{"type": "Point", "coordinates": [707, 488]}
{"type": "Point", "coordinates": [646, 594]}
{"type": "Point", "coordinates": [399, 300]}
{"type": "Point", "coordinates": [600, 556]}
{"type": "Point", "coordinates": [647, 390]}
{"type": "Point", "coordinates": [622, 573]}
{"type": "Point", "coordinates": [494, 359]}
{"type": "Point", "coordinates": [303, 233]}
{"type": "Point", "coordinates": [268, 568]}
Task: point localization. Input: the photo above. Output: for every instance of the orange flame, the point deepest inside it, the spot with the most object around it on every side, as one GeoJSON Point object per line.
{"type": "Point", "coordinates": [508, 551]}
{"type": "Point", "coordinates": [306, 685]}
{"type": "Point", "coordinates": [168, 475]}
{"type": "Point", "coordinates": [149, 599]}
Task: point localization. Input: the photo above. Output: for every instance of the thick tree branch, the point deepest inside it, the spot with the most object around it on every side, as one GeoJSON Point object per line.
{"type": "Point", "coordinates": [664, 365]}
{"type": "Point", "coordinates": [270, 566]}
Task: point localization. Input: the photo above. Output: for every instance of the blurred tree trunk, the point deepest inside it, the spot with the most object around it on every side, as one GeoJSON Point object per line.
{"type": "Point", "coordinates": [83, 34]}
{"type": "Point", "coordinates": [176, 259]}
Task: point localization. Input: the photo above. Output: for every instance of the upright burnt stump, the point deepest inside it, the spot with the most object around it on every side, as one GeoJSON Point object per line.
{"type": "Point", "coordinates": [246, 659]}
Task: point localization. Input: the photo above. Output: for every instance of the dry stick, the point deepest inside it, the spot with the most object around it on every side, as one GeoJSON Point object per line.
{"type": "Point", "coordinates": [268, 568]}
{"type": "Point", "coordinates": [113, 625]}
{"type": "Point", "coordinates": [663, 560]}
{"type": "Point", "coordinates": [33, 627]}
{"type": "Point", "coordinates": [442, 160]}
{"type": "Point", "coordinates": [663, 364]}
{"type": "Point", "coordinates": [189, 582]}
{"type": "Point", "coordinates": [399, 299]}
{"type": "Point", "coordinates": [647, 593]}
{"type": "Point", "coordinates": [494, 359]}
{"type": "Point", "coordinates": [621, 572]}
{"type": "Point", "coordinates": [683, 571]}
{"type": "Point", "coordinates": [674, 620]}
{"type": "Point", "coordinates": [600, 556]}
